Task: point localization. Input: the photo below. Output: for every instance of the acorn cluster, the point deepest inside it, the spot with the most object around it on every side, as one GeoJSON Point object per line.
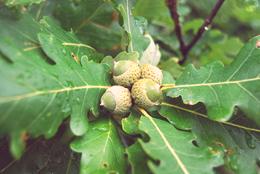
{"type": "Point", "coordinates": [135, 84]}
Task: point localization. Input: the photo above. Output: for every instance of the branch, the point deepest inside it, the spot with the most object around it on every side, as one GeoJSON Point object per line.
{"type": "Point", "coordinates": [185, 49]}
{"type": "Point", "coordinates": [172, 5]}
{"type": "Point", "coordinates": [202, 29]}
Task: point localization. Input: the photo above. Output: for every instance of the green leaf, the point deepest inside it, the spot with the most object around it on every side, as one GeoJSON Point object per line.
{"type": "Point", "coordinates": [156, 11]}
{"type": "Point", "coordinates": [102, 151]}
{"type": "Point", "coordinates": [95, 22]}
{"type": "Point", "coordinates": [12, 3]}
{"type": "Point", "coordinates": [138, 159]}
{"type": "Point", "coordinates": [130, 123]}
{"type": "Point", "coordinates": [167, 78]}
{"type": "Point", "coordinates": [222, 88]}
{"type": "Point", "coordinates": [218, 46]}
{"type": "Point", "coordinates": [37, 92]}
{"type": "Point", "coordinates": [240, 149]}
{"type": "Point", "coordinates": [174, 149]}
{"type": "Point", "coordinates": [171, 65]}
{"type": "Point", "coordinates": [133, 27]}
{"type": "Point", "coordinates": [178, 118]}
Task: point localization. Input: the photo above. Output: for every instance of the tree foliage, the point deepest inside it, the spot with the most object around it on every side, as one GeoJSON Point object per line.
{"type": "Point", "coordinates": [56, 60]}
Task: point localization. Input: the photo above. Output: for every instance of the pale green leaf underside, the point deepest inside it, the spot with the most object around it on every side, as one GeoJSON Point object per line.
{"type": "Point", "coordinates": [223, 88]}
{"type": "Point", "coordinates": [174, 150]}
{"type": "Point", "coordinates": [137, 41]}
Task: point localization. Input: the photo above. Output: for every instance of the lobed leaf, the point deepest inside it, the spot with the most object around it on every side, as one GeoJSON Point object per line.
{"type": "Point", "coordinates": [174, 151]}
{"type": "Point", "coordinates": [238, 147]}
{"type": "Point", "coordinates": [102, 151]}
{"type": "Point", "coordinates": [95, 22]}
{"type": "Point", "coordinates": [46, 78]}
{"type": "Point", "coordinates": [223, 88]}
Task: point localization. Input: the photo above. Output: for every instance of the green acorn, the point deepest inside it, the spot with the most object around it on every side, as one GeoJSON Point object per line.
{"type": "Point", "coordinates": [149, 71]}
{"type": "Point", "coordinates": [126, 72]}
{"type": "Point", "coordinates": [146, 93]}
{"type": "Point", "coordinates": [117, 99]}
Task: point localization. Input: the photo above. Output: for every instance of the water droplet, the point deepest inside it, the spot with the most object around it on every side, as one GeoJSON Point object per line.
{"type": "Point", "coordinates": [48, 114]}
{"type": "Point", "coordinates": [20, 78]}
{"type": "Point", "coordinates": [101, 129]}
{"type": "Point", "coordinates": [68, 83]}
{"type": "Point", "coordinates": [257, 44]}
{"type": "Point", "coordinates": [66, 109]}
{"type": "Point", "coordinates": [55, 76]}
{"type": "Point", "coordinates": [250, 141]}
{"type": "Point", "coordinates": [78, 99]}
{"type": "Point", "coordinates": [190, 102]}
{"type": "Point", "coordinates": [27, 74]}
{"type": "Point", "coordinates": [64, 51]}
{"type": "Point", "coordinates": [85, 57]}
{"type": "Point", "coordinates": [233, 165]}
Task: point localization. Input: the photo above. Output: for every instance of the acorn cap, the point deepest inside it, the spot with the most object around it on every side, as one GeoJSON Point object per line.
{"type": "Point", "coordinates": [117, 99]}
{"type": "Point", "coordinates": [126, 72]}
{"type": "Point", "coordinates": [149, 71]}
{"type": "Point", "coordinates": [146, 93]}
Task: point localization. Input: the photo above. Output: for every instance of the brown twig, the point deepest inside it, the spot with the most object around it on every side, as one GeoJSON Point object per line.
{"type": "Point", "coordinates": [185, 49]}
{"type": "Point", "coordinates": [172, 5]}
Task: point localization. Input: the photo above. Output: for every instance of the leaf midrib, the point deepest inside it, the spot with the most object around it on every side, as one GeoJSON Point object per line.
{"type": "Point", "coordinates": [218, 83]}
{"type": "Point", "coordinates": [5, 99]}
{"type": "Point", "coordinates": [166, 142]}
{"type": "Point", "coordinates": [170, 86]}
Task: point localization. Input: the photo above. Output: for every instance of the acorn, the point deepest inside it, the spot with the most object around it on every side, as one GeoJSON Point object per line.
{"type": "Point", "coordinates": [146, 93]}
{"type": "Point", "coordinates": [117, 99]}
{"type": "Point", "coordinates": [149, 71]}
{"type": "Point", "coordinates": [126, 73]}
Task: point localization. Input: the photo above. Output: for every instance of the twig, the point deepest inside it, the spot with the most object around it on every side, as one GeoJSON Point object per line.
{"type": "Point", "coordinates": [202, 29]}
{"type": "Point", "coordinates": [172, 5]}
{"type": "Point", "coordinates": [185, 49]}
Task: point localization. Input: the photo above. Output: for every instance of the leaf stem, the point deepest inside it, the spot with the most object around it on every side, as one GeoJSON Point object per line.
{"type": "Point", "coordinates": [167, 86]}
{"type": "Point", "coordinates": [205, 116]}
